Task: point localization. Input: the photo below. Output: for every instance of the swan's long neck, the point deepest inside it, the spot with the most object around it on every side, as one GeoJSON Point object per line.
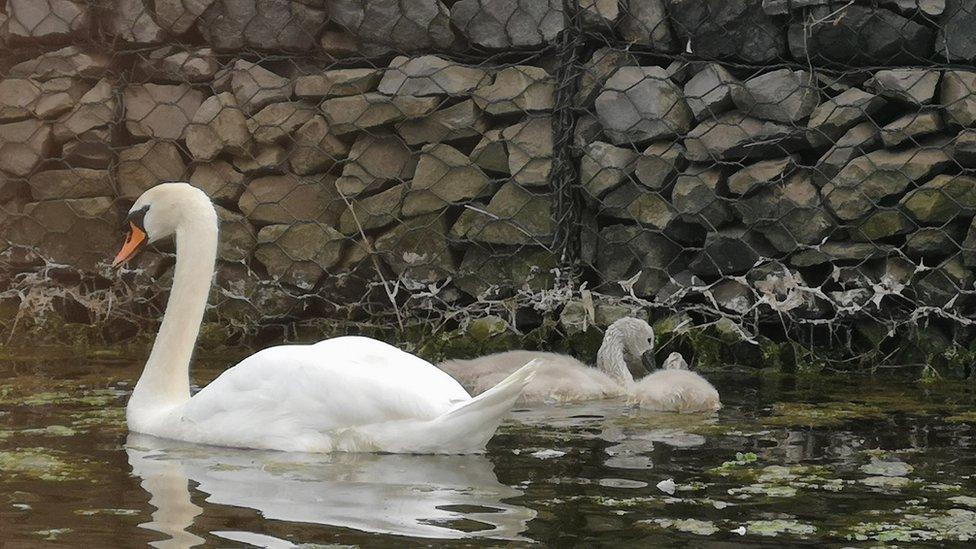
{"type": "Point", "coordinates": [165, 381]}
{"type": "Point", "coordinates": [610, 358]}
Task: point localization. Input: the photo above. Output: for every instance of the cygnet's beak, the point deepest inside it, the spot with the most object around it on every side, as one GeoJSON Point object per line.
{"type": "Point", "coordinates": [134, 242]}
{"type": "Point", "coordinates": [648, 360]}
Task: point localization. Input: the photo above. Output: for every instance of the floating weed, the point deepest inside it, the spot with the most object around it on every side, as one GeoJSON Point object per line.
{"type": "Point", "coordinates": [52, 431]}
{"type": "Point", "coordinates": [962, 417]}
{"type": "Point", "coordinates": [829, 414]}
{"type": "Point", "coordinates": [114, 512]}
{"type": "Point", "coordinates": [934, 525]}
{"type": "Point", "coordinates": [887, 468]}
{"type": "Point", "coordinates": [777, 527]}
{"type": "Point", "coordinates": [53, 534]}
{"type": "Point", "coordinates": [691, 526]}
{"type": "Point", "coordinates": [763, 489]}
{"type": "Point", "coordinates": [968, 501]}
{"type": "Point", "coordinates": [40, 464]}
{"type": "Point", "coordinates": [886, 483]}
{"type": "Point", "coordinates": [740, 467]}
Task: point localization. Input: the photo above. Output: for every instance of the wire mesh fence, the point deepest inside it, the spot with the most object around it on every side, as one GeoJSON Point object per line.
{"type": "Point", "coordinates": [767, 180]}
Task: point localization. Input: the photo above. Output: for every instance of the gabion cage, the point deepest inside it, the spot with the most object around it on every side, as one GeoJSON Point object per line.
{"type": "Point", "coordinates": [768, 174]}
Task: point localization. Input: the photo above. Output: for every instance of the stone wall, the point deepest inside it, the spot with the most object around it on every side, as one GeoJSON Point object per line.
{"type": "Point", "coordinates": [760, 162]}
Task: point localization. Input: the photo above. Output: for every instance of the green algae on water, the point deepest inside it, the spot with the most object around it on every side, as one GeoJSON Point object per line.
{"type": "Point", "coordinates": [829, 414]}
{"type": "Point", "coordinates": [39, 463]}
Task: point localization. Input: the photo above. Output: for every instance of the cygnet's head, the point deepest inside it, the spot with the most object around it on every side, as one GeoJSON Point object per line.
{"type": "Point", "coordinates": [159, 212]}
{"type": "Point", "coordinates": [628, 349]}
{"type": "Point", "coordinates": [675, 362]}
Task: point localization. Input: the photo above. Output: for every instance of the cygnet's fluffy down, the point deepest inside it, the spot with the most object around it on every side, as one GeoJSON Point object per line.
{"type": "Point", "coordinates": [559, 378]}
{"type": "Point", "coordinates": [675, 389]}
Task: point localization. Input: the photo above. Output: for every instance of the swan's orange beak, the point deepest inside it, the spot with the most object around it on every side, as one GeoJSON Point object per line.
{"type": "Point", "coordinates": [134, 242]}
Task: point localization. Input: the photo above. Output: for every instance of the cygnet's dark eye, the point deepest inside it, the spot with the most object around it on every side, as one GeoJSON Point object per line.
{"type": "Point", "coordinates": [137, 217]}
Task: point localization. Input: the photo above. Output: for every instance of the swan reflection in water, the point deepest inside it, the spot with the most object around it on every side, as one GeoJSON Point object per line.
{"type": "Point", "coordinates": [407, 495]}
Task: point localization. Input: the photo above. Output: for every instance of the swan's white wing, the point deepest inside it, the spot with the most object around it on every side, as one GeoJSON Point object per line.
{"type": "Point", "coordinates": [303, 391]}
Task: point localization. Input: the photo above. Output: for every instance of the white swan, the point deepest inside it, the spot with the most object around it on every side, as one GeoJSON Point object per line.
{"type": "Point", "coordinates": [628, 344]}
{"type": "Point", "coordinates": [350, 394]}
{"type": "Point", "coordinates": [675, 389]}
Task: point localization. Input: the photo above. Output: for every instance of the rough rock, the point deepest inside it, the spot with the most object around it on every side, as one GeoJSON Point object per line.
{"type": "Point", "coordinates": [934, 241]}
{"type": "Point", "coordinates": [132, 21]}
{"type": "Point", "coordinates": [604, 167]}
{"type": "Point", "coordinates": [627, 251]}
{"type": "Point", "coordinates": [255, 87]}
{"type": "Point", "coordinates": [69, 61]}
{"type": "Point", "coordinates": [641, 104]}
{"type": "Point", "coordinates": [782, 95]}
{"type": "Point", "coordinates": [909, 127]}
{"type": "Point", "coordinates": [154, 111]}
{"type": "Point", "coordinates": [709, 92]}
{"type": "Point", "coordinates": [912, 86]}
{"type": "Point", "coordinates": [659, 164]}
{"type": "Point", "coordinates": [599, 15]}
{"type": "Point", "coordinates": [734, 296]}
{"type": "Point", "coordinates": [945, 283]}
{"type": "Point", "coordinates": [299, 254]}
{"type": "Point", "coordinates": [761, 174]}
{"type": "Point", "coordinates": [696, 197]}
{"type": "Point", "coordinates": [860, 35]}
{"type": "Point", "coordinates": [513, 216]}
{"type": "Point", "coordinates": [261, 24]}
{"type": "Point", "coordinates": [733, 135]}
{"type": "Point", "coordinates": [789, 214]}
{"type": "Point", "coordinates": [373, 211]}
{"type": "Point", "coordinates": [529, 147]}
{"type": "Point", "coordinates": [375, 159]}
{"type": "Point", "coordinates": [177, 16]}
{"type": "Point", "coordinates": [46, 21]}
{"type": "Point", "coordinates": [490, 153]}
{"type": "Point", "coordinates": [857, 141]}
{"type": "Point", "coordinates": [362, 112]}
{"type": "Point", "coordinates": [59, 95]}
{"type": "Point", "coordinates": [444, 176]}
{"type": "Point", "coordinates": [144, 165]}
{"type": "Point", "coordinates": [277, 121]}
{"type": "Point", "coordinates": [403, 26]}
{"type": "Point", "coordinates": [286, 199]}
{"type": "Point", "coordinates": [455, 122]}
{"type": "Point", "coordinates": [958, 97]}
{"type": "Point", "coordinates": [964, 149]}
{"type": "Point", "coordinates": [882, 224]}
{"type": "Point", "coordinates": [92, 149]}
{"type": "Point", "coordinates": [489, 274]}
{"type": "Point", "coordinates": [516, 90]}
{"type": "Point", "coordinates": [219, 180]}
{"type": "Point", "coordinates": [942, 199]}
{"type": "Point", "coordinates": [832, 252]}
{"type": "Point", "coordinates": [262, 158]}
{"type": "Point", "coordinates": [17, 97]}
{"type": "Point", "coordinates": [417, 250]}
{"type": "Point", "coordinates": [730, 251]}
{"type": "Point", "coordinates": [54, 227]}
{"type": "Point", "coordinates": [645, 22]}
{"type": "Point", "coordinates": [340, 44]}
{"type": "Point", "coordinates": [727, 28]}
{"type": "Point", "coordinates": [71, 183]}
{"type": "Point", "coordinates": [837, 115]}
{"type": "Point", "coordinates": [502, 24]}
{"type": "Point", "coordinates": [316, 149]}
{"type": "Point", "coordinates": [596, 71]}
{"type": "Point", "coordinates": [955, 36]}
{"type": "Point", "coordinates": [864, 181]}
{"type": "Point", "coordinates": [95, 109]}
{"type": "Point", "coordinates": [247, 298]}
{"type": "Point", "coordinates": [237, 237]}
{"type": "Point", "coordinates": [337, 83]}
{"type": "Point", "coordinates": [218, 126]}
{"type": "Point", "coordinates": [634, 202]}
{"type": "Point", "coordinates": [174, 64]}
{"type": "Point", "coordinates": [24, 145]}
{"type": "Point", "coordinates": [430, 75]}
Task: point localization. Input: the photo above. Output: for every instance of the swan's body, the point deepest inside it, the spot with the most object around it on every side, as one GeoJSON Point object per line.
{"type": "Point", "coordinates": [558, 378]}
{"type": "Point", "coordinates": [675, 389]}
{"type": "Point", "coordinates": [345, 394]}
{"type": "Point", "coordinates": [562, 378]}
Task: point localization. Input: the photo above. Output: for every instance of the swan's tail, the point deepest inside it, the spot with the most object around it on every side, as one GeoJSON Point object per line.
{"type": "Point", "coordinates": [465, 428]}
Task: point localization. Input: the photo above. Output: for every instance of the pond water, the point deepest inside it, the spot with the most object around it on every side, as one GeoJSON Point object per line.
{"type": "Point", "coordinates": [848, 462]}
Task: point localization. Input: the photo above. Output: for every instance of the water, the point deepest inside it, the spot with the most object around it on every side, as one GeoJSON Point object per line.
{"type": "Point", "coordinates": [851, 462]}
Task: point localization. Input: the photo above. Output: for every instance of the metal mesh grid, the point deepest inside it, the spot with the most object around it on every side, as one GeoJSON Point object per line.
{"type": "Point", "coordinates": [766, 180]}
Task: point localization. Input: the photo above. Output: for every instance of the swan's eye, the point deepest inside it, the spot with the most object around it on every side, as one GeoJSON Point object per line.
{"type": "Point", "coordinates": [137, 218]}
